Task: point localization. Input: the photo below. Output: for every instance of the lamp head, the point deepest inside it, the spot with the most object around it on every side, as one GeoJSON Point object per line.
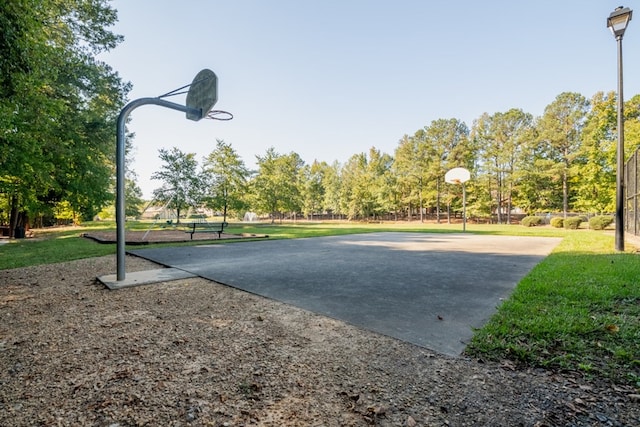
{"type": "Point", "coordinates": [618, 20]}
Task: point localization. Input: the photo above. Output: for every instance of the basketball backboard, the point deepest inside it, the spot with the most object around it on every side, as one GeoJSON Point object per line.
{"type": "Point", "coordinates": [203, 94]}
{"type": "Point", "coordinates": [457, 176]}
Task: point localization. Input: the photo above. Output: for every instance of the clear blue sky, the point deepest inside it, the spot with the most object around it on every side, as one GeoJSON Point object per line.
{"type": "Point", "coordinates": [331, 78]}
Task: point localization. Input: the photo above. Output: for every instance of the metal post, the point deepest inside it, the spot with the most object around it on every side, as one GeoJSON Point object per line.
{"type": "Point", "coordinates": [464, 208]}
{"type": "Point", "coordinates": [635, 193]}
{"type": "Point", "coordinates": [619, 237]}
{"type": "Point", "coordinates": [120, 169]}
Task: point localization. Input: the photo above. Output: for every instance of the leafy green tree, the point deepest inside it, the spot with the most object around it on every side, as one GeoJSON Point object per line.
{"type": "Point", "coordinates": [332, 185]}
{"type": "Point", "coordinates": [446, 142]}
{"type": "Point", "coordinates": [537, 190]}
{"type": "Point", "coordinates": [226, 177]}
{"type": "Point", "coordinates": [366, 189]}
{"type": "Point", "coordinates": [411, 169]}
{"type": "Point", "coordinates": [313, 187]}
{"type": "Point", "coordinates": [382, 181]}
{"type": "Point", "coordinates": [560, 138]}
{"type": "Point", "coordinates": [133, 199]}
{"type": "Point", "coordinates": [631, 126]}
{"type": "Point", "coordinates": [276, 186]}
{"type": "Point", "coordinates": [501, 139]}
{"type": "Point", "coordinates": [63, 213]}
{"type": "Point", "coordinates": [58, 105]}
{"type": "Point", "coordinates": [182, 185]}
{"type": "Point", "coordinates": [356, 199]}
{"type": "Point", "coordinates": [594, 170]}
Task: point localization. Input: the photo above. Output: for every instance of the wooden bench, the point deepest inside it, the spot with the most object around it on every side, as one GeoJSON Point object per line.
{"type": "Point", "coordinates": [202, 226]}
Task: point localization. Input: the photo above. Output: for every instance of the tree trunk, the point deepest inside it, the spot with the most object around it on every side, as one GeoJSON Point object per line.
{"type": "Point", "coordinates": [13, 216]}
{"type": "Point", "coordinates": [509, 204]}
{"type": "Point", "coordinates": [421, 214]}
{"type": "Point", "coordinates": [565, 194]}
{"type": "Point", "coordinates": [499, 198]}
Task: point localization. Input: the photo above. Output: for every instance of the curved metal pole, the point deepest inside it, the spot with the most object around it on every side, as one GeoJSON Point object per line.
{"type": "Point", "coordinates": [120, 169]}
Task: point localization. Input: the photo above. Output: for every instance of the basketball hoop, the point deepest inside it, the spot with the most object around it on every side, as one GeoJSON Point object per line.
{"type": "Point", "coordinates": [219, 115]}
{"type": "Point", "coordinates": [201, 97]}
{"type": "Point", "coordinates": [457, 176]}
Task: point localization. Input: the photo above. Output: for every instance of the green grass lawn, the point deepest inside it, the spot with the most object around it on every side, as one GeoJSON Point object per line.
{"type": "Point", "coordinates": [578, 310]}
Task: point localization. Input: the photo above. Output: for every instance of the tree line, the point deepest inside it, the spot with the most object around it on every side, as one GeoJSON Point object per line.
{"type": "Point", "coordinates": [562, 161]}
{"type": "Point", "coordinates": [59, 106]}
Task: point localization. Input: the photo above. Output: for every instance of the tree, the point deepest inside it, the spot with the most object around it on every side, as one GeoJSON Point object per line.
{"type": "Point", "coordinates": [313, 190]}
{"type": "Point", "coordinates": [381, 180]}
{"type": "Point", "coordinates": [355, 198]}
{"type": "Point", "coordinates": [501, 139]}
{"type": "Point", "coordinates": [594, 170]}
{"type": "Point", "coordinates": [631, 126]}
{"type": "Point", "coordinates": [560, 137]}
{"type": "Point", "coordinates": [226, 177]}
{"type": "Point", "coordinates": [445, 142]}
{"type": "Point", "coordinates": [58, 105]}
{"type": "Point", "coordinates": [410, 168]}
{"type": "Point", "coordinates": [133, 199]}
{"type": "Point", "coordinates": [182, 185]}
{"type": "Point", "coordinates": [366, 186]}
{"type": "Point", "coordinates": [276, 186]}
{"type": "Point", "coordinates": [332, 184]}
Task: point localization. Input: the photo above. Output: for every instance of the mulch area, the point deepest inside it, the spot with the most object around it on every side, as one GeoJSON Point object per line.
{"type": "Point", "coordinates": [163, 236]}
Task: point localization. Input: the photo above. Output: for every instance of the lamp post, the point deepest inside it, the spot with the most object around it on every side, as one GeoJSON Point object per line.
{"type": "Point", "coordinates": [617, 22]}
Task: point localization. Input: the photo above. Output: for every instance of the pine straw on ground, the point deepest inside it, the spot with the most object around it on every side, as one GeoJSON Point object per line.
{"type": "Point", "coordinates": [193, 352]}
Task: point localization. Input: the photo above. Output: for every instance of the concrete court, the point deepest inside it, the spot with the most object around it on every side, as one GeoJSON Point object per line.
{"type": "Point", "coordinates": [427, 289]}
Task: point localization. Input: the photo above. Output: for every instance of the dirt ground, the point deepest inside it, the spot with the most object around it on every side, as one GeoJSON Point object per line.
{"type": "Point", "coordinates": [193, 352]}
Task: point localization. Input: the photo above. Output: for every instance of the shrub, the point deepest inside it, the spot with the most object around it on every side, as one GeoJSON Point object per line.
{"type": "Point", "coordinates": [600, 222]}
{"type": "Point", "coordinates": [572, 223]}
{"type": "Point", "coordinates": [557, 222]}
{"type": "Point", "coordinates": [531, 221]}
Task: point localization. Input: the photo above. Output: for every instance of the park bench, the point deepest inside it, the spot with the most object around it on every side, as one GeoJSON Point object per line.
{"type": "Point", "coordinates": [203, 226]}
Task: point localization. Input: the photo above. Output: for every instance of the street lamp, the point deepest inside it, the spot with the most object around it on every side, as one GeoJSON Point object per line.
{"type": "Point", "coordinates": [617, 22]}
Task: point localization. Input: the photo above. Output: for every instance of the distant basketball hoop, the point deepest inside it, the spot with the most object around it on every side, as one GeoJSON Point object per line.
{"type": "Point", "coordinates": [459, 176]}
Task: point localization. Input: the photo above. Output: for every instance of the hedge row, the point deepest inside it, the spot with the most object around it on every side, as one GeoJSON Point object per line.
{"type": "Point", "coordinates": [599, 222]}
